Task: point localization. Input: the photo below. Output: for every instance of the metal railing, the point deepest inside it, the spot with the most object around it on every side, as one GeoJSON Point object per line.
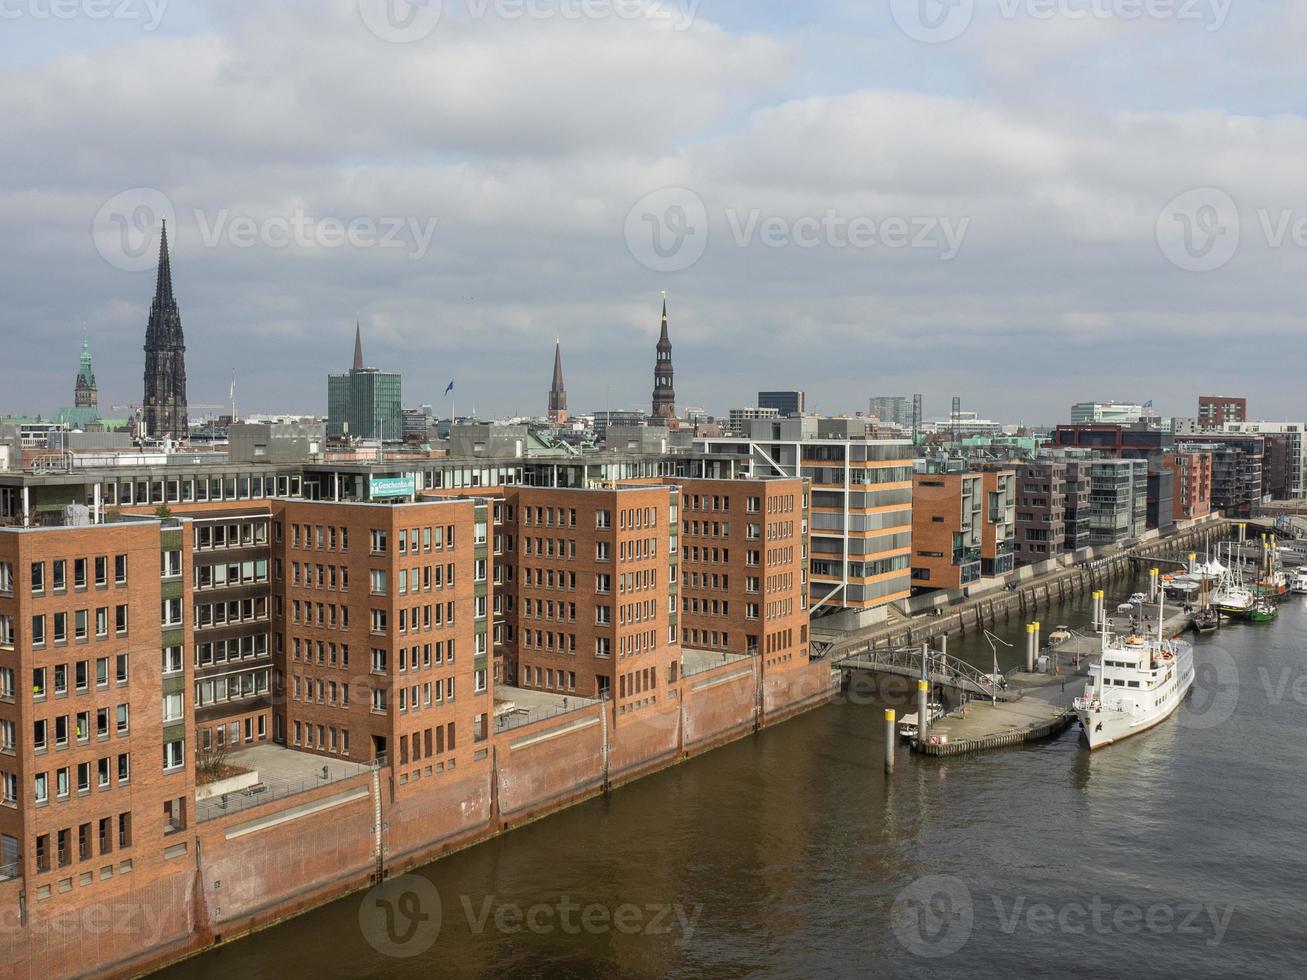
{"type": "Point", "coordinates": [10, 871]}
{"type": "Point", "coordinates": [271, 788]}
{"type": "Point", "coordinates": [521, 717]}
{"type": "Point", "coordinates": [940, 668]}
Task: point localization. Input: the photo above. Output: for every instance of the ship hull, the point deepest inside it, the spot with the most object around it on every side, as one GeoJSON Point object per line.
{"type": "Point", "coordinates": [1105, 727]}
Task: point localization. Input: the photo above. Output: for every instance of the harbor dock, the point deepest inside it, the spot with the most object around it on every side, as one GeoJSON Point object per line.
{"type": "Point", "coordinates": [1038, 705]}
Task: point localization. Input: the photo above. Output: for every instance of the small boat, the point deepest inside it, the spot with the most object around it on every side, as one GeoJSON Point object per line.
{"type": "Point", "coordinates": [1299, 584]}
{"type": "Point", "coordinates": [1233, 600]}
{"type": "Point", "coordinates": [1138, 599]}
{"type": "Point", "coordinates": [1206, 620]}
{"type": "Point", "coordinates": [1059, 635]}
{"type": "Point", "coordinates": [1126, 607]}
{"type": "Point", "coordinates": [1261, 612]}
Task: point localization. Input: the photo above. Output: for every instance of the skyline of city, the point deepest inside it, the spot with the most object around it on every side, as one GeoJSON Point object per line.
{"type": "Point", "coordinates": [1060, 262]}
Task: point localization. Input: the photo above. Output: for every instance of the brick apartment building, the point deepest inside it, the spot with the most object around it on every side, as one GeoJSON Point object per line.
{"type": "Point", "coordinates": [1214, 411]}
{"type": "Point", "coordinates": [963, 526]}
{"type": "Point", "coordinates": [93, 730]}
{"type": "Point", "coordinates": [1193, 484]}
{"type": "Point", "coordinates": [1052, 512]}
{"type": "Point", "coordinates": [589, 592]}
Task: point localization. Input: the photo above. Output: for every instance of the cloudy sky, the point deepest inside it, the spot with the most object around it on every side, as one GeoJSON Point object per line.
{"type": "Point", "coordinates": [1022, 202]}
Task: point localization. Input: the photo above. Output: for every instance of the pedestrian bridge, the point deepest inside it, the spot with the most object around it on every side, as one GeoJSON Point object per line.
{"type": "Point", "coordinates": [942, 670]}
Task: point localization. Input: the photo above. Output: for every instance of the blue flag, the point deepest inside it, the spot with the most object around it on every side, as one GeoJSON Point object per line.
{"type": "Point", "coordinates": [1147, 404]}
{"type": "Point", "coordinates": [450, 388]}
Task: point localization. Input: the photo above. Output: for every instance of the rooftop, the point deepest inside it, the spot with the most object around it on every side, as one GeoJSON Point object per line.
{"type": "Point", "coordinates": [281, 772]}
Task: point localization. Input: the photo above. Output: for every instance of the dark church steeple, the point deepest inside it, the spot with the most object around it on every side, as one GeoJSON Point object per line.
{"type": "Point", "coordinates": [664, 395]}
{"type": "Point", "coordinates": [557, 393]}
{"type": "Point", "coordinates": [164, 407]}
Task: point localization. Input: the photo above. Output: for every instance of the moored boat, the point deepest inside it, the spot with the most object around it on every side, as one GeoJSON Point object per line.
{"type": "Point", "coordinates": [1261, 612]}
{"type": "Point", "coordinates": [1206, 620]}
{"type": "Point", "coordinates": [1138, 682]}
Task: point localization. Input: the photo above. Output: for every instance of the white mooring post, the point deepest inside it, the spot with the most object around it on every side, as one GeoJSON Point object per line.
{"type": "Point", "coordinates": [889, 739]}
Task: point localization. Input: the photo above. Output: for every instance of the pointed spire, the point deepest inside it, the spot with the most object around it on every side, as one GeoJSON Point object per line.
{"type": "Point", "coordinates": [163, 279]}
{"type": "Point", "coordinates": [664, 336]}
{"type": "Point", "coordinates": [358, 347]}
{"type": "Point", "coordinates": [557, 393]}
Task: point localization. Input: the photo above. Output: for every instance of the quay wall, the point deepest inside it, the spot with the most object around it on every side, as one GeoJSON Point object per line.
{"type": "Point", "coordinates": [252, 868]}
{"type": "Point", "coordinates": [1027, 589]}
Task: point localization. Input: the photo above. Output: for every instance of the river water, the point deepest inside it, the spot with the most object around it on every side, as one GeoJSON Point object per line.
{"type": "Point", "coordinates": [1179, 853]}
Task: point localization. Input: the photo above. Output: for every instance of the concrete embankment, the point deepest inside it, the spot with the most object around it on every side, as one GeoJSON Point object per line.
{"type": "Point", "coordinates": [1025, 591]}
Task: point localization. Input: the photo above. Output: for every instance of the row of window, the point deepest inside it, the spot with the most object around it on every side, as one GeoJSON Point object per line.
{"type": "Point", "coordinates": [82, 569]}
{"type": "Point", "coordinates": [229, 687]}
{"type": "Point", "coordinates": [63, 778]}
{"type": "Point", "coordinates": [59, 677]}
{"type": "Point", "coordinates": [246, 534]}
{"type": "Point", "coordinates": [111, 832]}
{"type": "Point", "coordinates": [73, 727]}
{"type": "Point", "coordinates": [81, 624]}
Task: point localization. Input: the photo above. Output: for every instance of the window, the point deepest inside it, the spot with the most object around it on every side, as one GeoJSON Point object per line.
{"type": "Point", "coordinates": [378, 542]}
{"type": "Point", "coordinates": [174, 755]}
{"type": "Point", "coordinates": [172, 612]}
{"type": "Point", "coordinates": [170, 564]}
{"type": "Point", "coordinates": [6, 578]}
{"type": "Point", "coordinates": [378, 581]}
{"type": "Point", "coordinates": [38, 631]}
{"type": "Point", "coordinates": [172, 660]}
{"type": "Point", "coordinates": [79, 573]}
{"type": "Point", "coordinates": [120, 569]}
{"type": "Point", "coordinates": [172, 707]}
{"type": "Point", "coordinates": [38, 577]}
{"type": "Point", "coordinates": [102, 570]}
{"type": "Point", "coordinates": [42, 787]}
{"type": "Point", "coordinates": [123, 718]}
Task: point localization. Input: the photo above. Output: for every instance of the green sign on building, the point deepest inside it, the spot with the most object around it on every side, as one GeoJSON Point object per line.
{"type": "Point", "coordinates": [391, 486]}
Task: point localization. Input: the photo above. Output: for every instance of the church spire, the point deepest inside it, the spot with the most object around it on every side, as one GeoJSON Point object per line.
{"type": "Point", "coordinates": [164, 406]}
{"type": "Point", "coordinates": [358, 347]}
{"type": "Point", "coordinates": [163, 278]}
{"type": "Point", "coordinates": [558, 393]}
{"type": "Point", "coordinates": [664, 394]}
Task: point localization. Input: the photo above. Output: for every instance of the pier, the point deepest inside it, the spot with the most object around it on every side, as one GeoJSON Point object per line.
{"type": "Point", "coordinates": [1032, 705]}
{"type": "Point", "coordinates": [1020, 595]}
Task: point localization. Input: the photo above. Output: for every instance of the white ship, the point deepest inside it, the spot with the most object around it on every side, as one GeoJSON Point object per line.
{"type": "Point", "coordinates": [1299, 584]}
{"type": "Point", "coordinates": [1138, 682]}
